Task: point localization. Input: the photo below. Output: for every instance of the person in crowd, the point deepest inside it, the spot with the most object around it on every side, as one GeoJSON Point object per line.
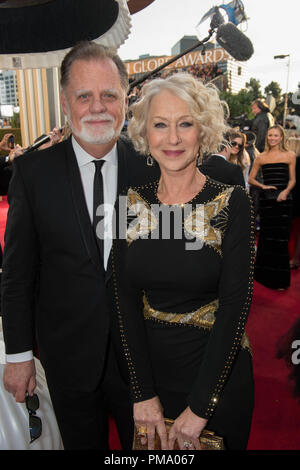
{"type": "Point", "coordinates": [12, 152]}
{"type": "Point", "coordinates": [262, 121]}
{"type": "Point", "coordinates": [238, 153]}
{"type": "Point", "coordinates": [253, 190]}
{"type": "Point", "coordinates": [57, 269]}
{"type": "Point", "coordinates": [278, 169]}
{"type": "Point", "coordinates": [184, 286]}
{"type": "Point", "coordinates": [6, 124]}
{"type": "Point", "coordinates": [250, 146]}
{"type": "Point", "coordinates": [218, 167]}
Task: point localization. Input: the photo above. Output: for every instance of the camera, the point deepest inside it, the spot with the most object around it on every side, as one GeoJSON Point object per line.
{"type": "Point", "coordinates": [11, 141]}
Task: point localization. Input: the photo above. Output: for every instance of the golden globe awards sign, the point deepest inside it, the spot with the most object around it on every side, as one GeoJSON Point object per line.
{"type": "Point", "coordinates": [192, 58]}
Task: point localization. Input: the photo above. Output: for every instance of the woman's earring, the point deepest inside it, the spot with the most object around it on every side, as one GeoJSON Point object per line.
{"type": "Point", "coordinates": [199, 159]}
{"type": "Point", "coordinates": [150, 160]}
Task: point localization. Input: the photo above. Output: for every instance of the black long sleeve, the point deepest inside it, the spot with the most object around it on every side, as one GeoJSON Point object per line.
{"type": "Point", "coordinates": [20, 266]}
{"type": "Point", "coordinates": [235, 294]}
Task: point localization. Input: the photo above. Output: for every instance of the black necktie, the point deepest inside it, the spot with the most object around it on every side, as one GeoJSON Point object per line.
{"type": "Point", "coordinates": [98, 200]}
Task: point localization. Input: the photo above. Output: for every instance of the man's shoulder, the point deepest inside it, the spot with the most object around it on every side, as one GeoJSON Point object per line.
{"type": "Point", "coordinates": [40, 167]}
{"type": "Point", "coordinates": [40, 158]}
{"type": "Point", "coordinates": [215, 159]}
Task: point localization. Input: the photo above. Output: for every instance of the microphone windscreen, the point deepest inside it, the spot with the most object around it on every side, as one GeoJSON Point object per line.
{"type": "Point", "coordinates": [234, 42]}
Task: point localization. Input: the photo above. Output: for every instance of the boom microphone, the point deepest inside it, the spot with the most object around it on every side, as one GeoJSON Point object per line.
{"type": "Point", "coordinates": [234, 42]}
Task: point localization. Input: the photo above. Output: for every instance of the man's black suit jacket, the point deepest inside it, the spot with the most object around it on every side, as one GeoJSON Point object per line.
{"type": "Point", "coordinates": [54, 284]}
{"type": "Point", "coordinates": [219, 169]}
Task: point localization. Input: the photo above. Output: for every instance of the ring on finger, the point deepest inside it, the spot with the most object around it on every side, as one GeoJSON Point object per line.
{"type": "Point", "coordinates": [187, 444]}
{"type": "Point", "coordinates": [142, 431]}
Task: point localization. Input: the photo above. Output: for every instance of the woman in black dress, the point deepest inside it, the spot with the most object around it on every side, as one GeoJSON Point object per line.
{"type": "Point", "coordinates": [183, 280]}
{"type": "Point", "coordinates": [278, 168]}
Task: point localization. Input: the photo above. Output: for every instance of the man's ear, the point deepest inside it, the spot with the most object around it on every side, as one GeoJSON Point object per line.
{"type": "Point", "coordinates": [63, 101]}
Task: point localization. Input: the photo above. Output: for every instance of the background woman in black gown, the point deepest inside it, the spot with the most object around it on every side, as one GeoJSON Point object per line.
{"type": "Point", "coordinates": [278, 168]}
{"type": "Point", "coordinates": [183, 290]}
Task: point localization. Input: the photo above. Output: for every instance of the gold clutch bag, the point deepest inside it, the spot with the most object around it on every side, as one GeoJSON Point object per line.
{"type": "Point", "coordinates": [208, 440]}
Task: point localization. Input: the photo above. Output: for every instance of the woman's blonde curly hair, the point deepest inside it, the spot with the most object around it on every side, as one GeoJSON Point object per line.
{"type": "Point", "coordinates": [204, 104]}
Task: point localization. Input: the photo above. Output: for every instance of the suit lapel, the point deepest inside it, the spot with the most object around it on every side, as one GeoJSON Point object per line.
{"type": "Point", "coordinates": [123, 182]}
{"type": "Point", "coordinates": [123, 174]}
{"type": "Point", "coordinates": [80, 207]}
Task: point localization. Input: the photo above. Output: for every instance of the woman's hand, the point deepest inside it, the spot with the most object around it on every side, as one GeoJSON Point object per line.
{"type": "Point", "coordinates": [148, 416]}
{"type": "Point", "coordinates": [186, 430]}
{"type": "Point", "coordinates": [282, 196]}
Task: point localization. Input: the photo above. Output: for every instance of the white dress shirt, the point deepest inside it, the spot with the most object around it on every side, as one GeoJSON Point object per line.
{"type": "Point", "coordinates": [110, 180]}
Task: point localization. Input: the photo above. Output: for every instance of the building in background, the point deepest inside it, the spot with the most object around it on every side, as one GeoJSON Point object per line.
{"type": "Point", "coordinates": [185, 43]}
{"type": "Point", "coordinates": [8, 88]}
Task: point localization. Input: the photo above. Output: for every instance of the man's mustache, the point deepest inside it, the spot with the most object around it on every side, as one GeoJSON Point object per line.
{"type": "Point", "coordinates": [98, 117]}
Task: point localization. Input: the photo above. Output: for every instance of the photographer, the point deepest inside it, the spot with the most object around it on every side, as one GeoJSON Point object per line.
{"type": "Point", "coordinates": [7, 144]}
{"type": "Point", "coordinates": [261, 123]}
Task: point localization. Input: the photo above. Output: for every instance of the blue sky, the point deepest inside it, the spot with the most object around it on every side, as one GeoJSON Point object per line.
{"type": "Point", "coordinates": [273, 28]}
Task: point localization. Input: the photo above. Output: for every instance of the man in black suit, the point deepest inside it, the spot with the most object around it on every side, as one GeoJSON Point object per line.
{"type": "Point", "coordinates": [220, 169]}
{"type": "Point", "coordinates": [56, 271]}
{"type": "Point", "coordinates": [6, 161]}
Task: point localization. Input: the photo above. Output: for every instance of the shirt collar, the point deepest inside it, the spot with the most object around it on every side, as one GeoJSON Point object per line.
{"type": "Point", "coordinates": [84, 157]}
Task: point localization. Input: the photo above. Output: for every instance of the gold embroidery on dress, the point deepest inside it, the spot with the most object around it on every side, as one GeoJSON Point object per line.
{"type": "Point", "coordinates": [146, 221]}
{"type": "Point", "coordinates": [245, 343]}
{"type": "Point", "coordinates": [198, 223]}
{"type": "Point", "coordinates": [203, 317]}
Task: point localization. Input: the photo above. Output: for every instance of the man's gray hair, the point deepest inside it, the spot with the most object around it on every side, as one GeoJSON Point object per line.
{"type": "Point", "coordinates": [88, 50]}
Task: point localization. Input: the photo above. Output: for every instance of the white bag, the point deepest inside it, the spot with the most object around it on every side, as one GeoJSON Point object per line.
{"type": "Point", "coordinates": [14, 418]}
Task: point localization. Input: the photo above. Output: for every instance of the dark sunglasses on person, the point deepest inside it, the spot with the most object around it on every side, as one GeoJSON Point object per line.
{"type": "Point", "coordinates": [35, 423]}
{"type": "Point", "coordinates": [236, 144]}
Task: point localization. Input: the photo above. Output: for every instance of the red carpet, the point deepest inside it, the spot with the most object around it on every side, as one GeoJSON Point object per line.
{"type": "Point", "coordinates": [3, 213]}
{"type": "Point", "coordinates": [276, 418]}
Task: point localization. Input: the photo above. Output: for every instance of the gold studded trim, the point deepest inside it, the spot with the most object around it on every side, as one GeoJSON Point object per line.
{"type": "Point", "coordinates": [131, 367]}
{"type": "Point", "coordinates": [241, 339]}
{"type": "Point", "coordinates": [203, 317]}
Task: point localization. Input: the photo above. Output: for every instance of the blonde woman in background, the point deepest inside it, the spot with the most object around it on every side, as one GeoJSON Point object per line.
{"type": "Point", "coordinates": [278, 168]}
